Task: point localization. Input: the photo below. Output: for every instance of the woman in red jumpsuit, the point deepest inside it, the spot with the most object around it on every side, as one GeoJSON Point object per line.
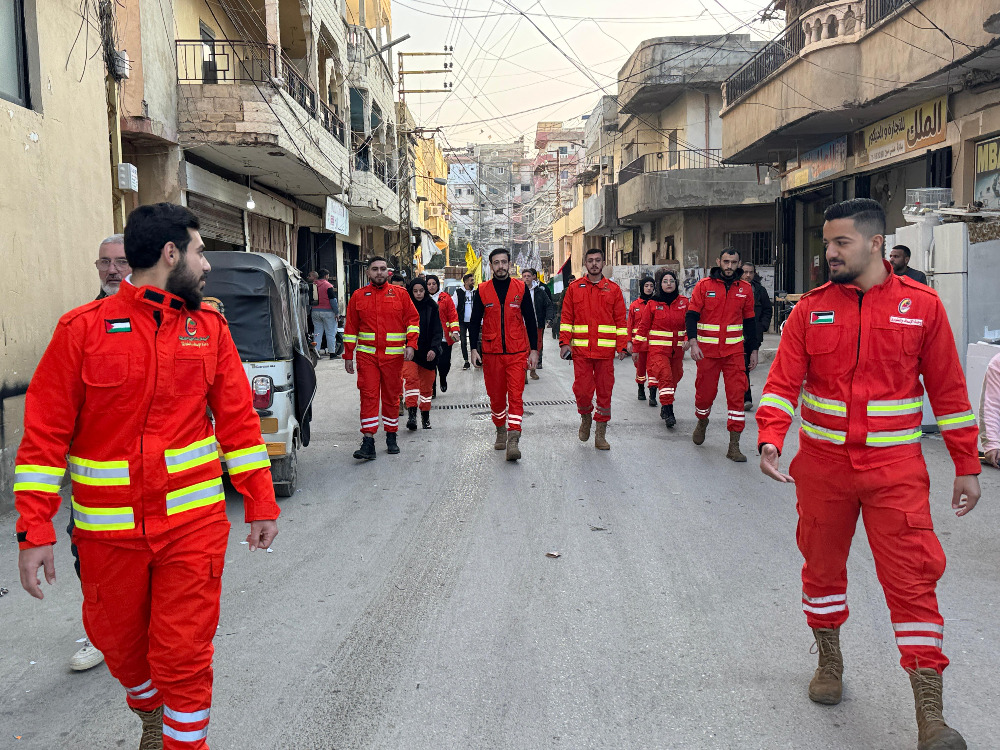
{"type": "Point", "coordinates": [662, 326]}
{"type": "Point", "coordinates": [637, 347]}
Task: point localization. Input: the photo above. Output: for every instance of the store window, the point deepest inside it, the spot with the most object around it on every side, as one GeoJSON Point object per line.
{"type": "Point", "coordinates": [13, 59]}
{"type": "Point", "coordinates": [464, 212]}
{"type": "Point", "coordinates": [757, 247]}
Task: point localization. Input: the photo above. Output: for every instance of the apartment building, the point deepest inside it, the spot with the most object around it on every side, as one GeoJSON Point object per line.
{"type": "Point", "coordinates": [430, 184]}
{"type": "Point", "coordinates": [57, 193]}
{"type": "Point", "coordinates": [866, 98]}
{"type": "Point", "coordinates": [659, 192]}
{"type": "Point", "coordinates": [558, 158]}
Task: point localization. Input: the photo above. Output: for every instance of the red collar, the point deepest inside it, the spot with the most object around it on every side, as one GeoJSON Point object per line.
{"type": "Point", "coordinates": [152, 296]}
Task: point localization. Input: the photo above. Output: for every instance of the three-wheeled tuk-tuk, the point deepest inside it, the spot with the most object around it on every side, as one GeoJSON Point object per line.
{"type": "Point", "coordinates": [266, 302]}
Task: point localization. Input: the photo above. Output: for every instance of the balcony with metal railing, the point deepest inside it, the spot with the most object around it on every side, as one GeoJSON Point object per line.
{"type": "Point", "coordinates": [234, 94]}
{"type": "Point", "coordinates": [664, 181]}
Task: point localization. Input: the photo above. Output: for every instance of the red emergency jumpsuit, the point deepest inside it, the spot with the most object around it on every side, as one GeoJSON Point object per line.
{"type": "Point", "coordinates": [640, 348]}
{"type": "Point", "coordinates": [380, 323]}
{"type": "Point", "coordinates": [662, 330]}
{"type": "Point", "coordinates": [856, 359]}
{"type": "Point", "coordinates": [449, 316]}
{"type": "Point", "coordinates": [720, 337]}
{"type": "Point", "coordinates": [505, 352]}
{"type": "Point", "coordinates": [122, 395]}
{"type": "Point", "coordinates": [593, 324]}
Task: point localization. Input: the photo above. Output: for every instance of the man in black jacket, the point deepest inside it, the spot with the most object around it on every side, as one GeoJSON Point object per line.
{"type": "Point", "coordinates": [464, 297]}
{"type": "Point", "coordinates": [539, 294]}
{"type": "Point", "coordinates": [762, 311]}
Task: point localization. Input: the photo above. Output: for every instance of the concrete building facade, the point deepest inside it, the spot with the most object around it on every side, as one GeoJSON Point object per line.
{"type": "Point", "coordinates": [865, 100]}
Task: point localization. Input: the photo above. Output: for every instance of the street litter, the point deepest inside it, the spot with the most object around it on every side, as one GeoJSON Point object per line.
{"type": "Point", "coordinates": [553, 554]}
{"type": "Point", "coordinates": [3, 591]}
{"type": "Point", "coordinates": [244, 542]}
{"type": "Point", "coordinates": [270, 550]}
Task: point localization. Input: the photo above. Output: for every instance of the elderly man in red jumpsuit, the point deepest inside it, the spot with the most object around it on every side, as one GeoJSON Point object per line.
{"type": "Point", "coordinates": [122, 397]}
{"type": "Point", "coordinates": [856, 349]}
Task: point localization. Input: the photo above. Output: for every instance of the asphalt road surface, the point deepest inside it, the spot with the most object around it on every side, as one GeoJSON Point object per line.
{"type": "Point", "coordinates": [409, 602]}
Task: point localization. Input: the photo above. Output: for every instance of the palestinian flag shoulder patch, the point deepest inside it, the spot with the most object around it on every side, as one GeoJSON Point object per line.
{"type": "Point", "coordinates": [821, 317]}
{"type": "Point", "coordinates": [118, 325]}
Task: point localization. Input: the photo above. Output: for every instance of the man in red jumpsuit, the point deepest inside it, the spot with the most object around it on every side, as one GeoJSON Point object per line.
{"type": "Point", "coordinates": [383, 326]}
{"type": "Point", "coordinates": [122, 395]}
{"type": "Point", "coordinates": [592, 329]}
{"type": "Point", "coordinates": [856, 348]}
{"type": "Point", "coordinates": [506, 315]}
{"type": "Point", "coordinates": [640, 347]}
{"type": "Point", "coordinates": [720, 327]}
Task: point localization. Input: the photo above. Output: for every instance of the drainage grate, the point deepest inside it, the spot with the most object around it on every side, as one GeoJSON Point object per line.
{"type": "Point", "coordinates": [486, 405]}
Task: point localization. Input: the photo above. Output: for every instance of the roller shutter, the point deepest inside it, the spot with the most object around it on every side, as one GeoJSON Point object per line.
{"type": "Point", "coordinates": [218, 221]}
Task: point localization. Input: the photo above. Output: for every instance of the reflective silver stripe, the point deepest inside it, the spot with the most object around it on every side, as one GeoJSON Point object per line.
{"type": "Point", "coordinates": [139, 688]}
{"type": "Point", "coordinates": [893, 408]}
{"type": "Point", "coordinates": [736, 340]}
{"type": "Point", "coordinates": [709, 327]}
{"type": "Point", "coordinates": [824, 610]}
{"type": "Point", "coordinates": [893, 437]}
{"type": "Point", "coordinates": [824, 405]}
{"type": "Point", "coordinates": [196, 454]}
{"type": "Point", "coordinates": [103, 519]}
{"type": "Point", "coordinates": [707, 340]}
{"type": "Point", "coordinates": [196, 496]}
{"type": "Point", "coordinates": [919, 640]}
{"type": "Point", "coordinates": [174, 734]}
{"type": "Point", "coordinates": [104, 473]}
{"type": "Point", "coordinates": [37, 478]}
{"type": "Point", "coordinates": [956, 421]}
{"type": "Point", "coordinates": [822, 433]}
{"type": "Point", "coordinates": [921, 627]}
{"type": "Point", "coordinates": [236, 459]}
{"type": "Point", "coordinates": [824, 599]}
{"type": "Point", "coordinates": [737, 327]}
{"type": "Point", "coordinates": [143, 696]}
{"type": "Point", "coordinates": [185, 717]}
{"type": "Point", "coordinates": [776, 401]}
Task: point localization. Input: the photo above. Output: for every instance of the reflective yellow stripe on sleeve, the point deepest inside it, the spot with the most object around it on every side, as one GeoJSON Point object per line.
{"type": "Point", "coordinates": [955, 421]}
{"type": "Point", "coordinates": [247, 459]}
{"type": "Point", "coordinates": [35, 478]}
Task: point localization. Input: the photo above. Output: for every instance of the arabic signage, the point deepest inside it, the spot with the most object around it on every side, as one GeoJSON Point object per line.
{"type": "Point", "coordinates": [910, 130]}
{"type": "Point", "coordinates": [819, 164]}
{"type": "Point", "coordinates": [987, 189]}
{"type": "Point", "coordinates": [336, 218]}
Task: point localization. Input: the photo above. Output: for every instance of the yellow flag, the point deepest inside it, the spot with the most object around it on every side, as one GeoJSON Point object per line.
{"type": "Point", "coordinates": [473, 264]}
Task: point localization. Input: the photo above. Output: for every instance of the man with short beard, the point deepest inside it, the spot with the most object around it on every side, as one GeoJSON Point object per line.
{"type": "Point", "coordinates": [112, 265]}
{"type": "Point", "coordinates": [855, 350]}
{"type": "Point", "coordinates": [144, 390]}
{"type": "Point", "coordinates": [721, 327]}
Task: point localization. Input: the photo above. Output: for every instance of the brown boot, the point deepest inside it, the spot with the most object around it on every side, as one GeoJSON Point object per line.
{"type": "Point", "coordinates": [600, 442]}
{"type": "Point", "coordinates": [152, 728]}
{"type": "Point", "coordinates": [734, 453]}
{"type": "Point", "coordinates": [501, 441]}
{"type": "Point", "coordinates": [932, 732]}
{"type": "Point", "coordinates": [533, 375]}
{"type": "Point", "coordinates": [827, 684]}
{"type": "Point", "coordinates": [699, 432]}
{"type": "Point", "coordinates": [585, 421]}
{"type": "Point", "coordinates": [513, 451]}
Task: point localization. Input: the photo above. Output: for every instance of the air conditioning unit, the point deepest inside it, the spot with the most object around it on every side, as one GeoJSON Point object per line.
{"type": "Point", "coordinates": [608, 161]}
{"type": "Point", "coordinates": [435, 210]}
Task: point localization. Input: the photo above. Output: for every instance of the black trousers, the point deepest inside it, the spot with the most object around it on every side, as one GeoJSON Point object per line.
{"type": "Point", "coordinates": [444, 361]}
{"type": "Point", "coordinates": [463, 332]}
{"type": "Point", "coordinates": [747, 396]}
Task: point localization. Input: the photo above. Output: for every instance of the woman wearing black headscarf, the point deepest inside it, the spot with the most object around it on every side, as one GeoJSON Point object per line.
{"type": "Point", "coordinates": [663, 328]}
{"type": "Point", "coordinates": [418, 375]}
{"type": "Point", "coordinates": [639, 347]}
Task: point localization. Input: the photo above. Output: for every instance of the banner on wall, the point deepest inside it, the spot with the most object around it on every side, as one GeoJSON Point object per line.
{"type": "Point", "coordinates": [987, 187]}
{"type": "Point", "coordinates": [818, 164]}
{"type": "Point", "coordinates": [910, 130]}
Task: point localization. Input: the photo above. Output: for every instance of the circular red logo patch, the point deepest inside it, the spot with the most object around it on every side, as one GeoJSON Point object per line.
{"type": "Point", "coordinates": [904, 305]}
{"type": "Point", "coordinates": [191, 327]}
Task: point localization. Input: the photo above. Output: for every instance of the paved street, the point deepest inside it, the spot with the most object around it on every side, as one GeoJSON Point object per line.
{"type": "Point", "coordinates": [409, 602]}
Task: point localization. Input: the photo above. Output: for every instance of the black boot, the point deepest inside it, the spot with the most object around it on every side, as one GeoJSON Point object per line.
{"type": "Point", "coordinates": [652, 396]}
{"type": "Point", "coordinates": [367, 450]}
{"type": "Point", "coordinates": [669, 416]}
{"type": "Point", "coordinates": [411, 419]}
{"type": "Point", "coordinates": [444, 383]}
{"type": "Point", "coordinates": [425, 420]}
{"type": "Point", "coordinates": [391, 446]}
{"type": "Point", "coordinates": [642, 392]}
{"type": "Point", "coordinates": [434, 389]}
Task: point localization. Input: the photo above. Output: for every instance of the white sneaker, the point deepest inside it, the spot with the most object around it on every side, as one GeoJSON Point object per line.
{"type": "Point", "coordinates": [86, 658]}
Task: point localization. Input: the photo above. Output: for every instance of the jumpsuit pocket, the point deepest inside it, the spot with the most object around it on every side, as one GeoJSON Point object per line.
{"type": "Point", "coordinates": [207, 598]}
{"type": "Point", "coordinates": [885, 344]}
{"type": "Point", "coordinates": [913, 340]}
{"type": "Point", "coordinates": [104, 376]}
{"type": "Point", "coordinates": [920, 527]}
{"type": "Point", "coordinates": [190, 377]}
{"type": "Point", "coordinates": [821, 339]}
{"type": "Point", "coordinates": [96, 622]}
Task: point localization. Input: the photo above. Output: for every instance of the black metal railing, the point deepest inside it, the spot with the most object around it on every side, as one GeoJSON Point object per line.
{"type": "Point", "coordinates": [225, 61]}
{"type": "Point", "coordinates": [766, 62]}
{"type": "Point", "coordinates": [379, 168]}
{"type": "Point", "coordinates": [876, 10]}
{"type": "Point", "coordinates": [664, 161]}
{"type": "Point", "coordinates": [333, 124]}
{"type": "Point", "coordinates": [298, 89]}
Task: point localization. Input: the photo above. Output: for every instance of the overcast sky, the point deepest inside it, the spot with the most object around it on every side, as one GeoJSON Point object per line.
{"type": "Point", "coordinates": [503, 65]}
